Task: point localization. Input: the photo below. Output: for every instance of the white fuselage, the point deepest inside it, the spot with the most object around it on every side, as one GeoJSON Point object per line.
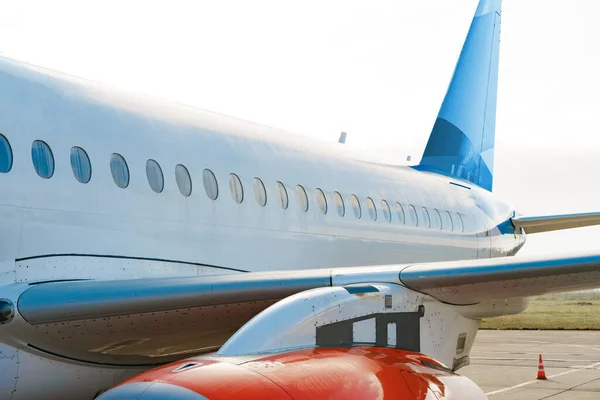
{"type": "Point", "coordinates": [61, 229]}
{"type": "Point", "coordinates": [56, 216]}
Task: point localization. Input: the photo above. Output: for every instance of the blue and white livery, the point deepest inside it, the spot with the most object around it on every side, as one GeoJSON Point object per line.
{"type": "Point", "coordinates": [136, 232]}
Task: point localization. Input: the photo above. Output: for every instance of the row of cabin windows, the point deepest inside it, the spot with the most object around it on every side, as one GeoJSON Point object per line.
{"type": "Point", "coordinates": [43, 163]}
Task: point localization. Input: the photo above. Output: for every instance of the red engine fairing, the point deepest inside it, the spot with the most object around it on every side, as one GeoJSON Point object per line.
{"type": "Point", "coordinates": [324, 373]}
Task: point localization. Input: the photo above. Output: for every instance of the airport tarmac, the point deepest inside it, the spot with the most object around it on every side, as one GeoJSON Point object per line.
{"type": "Point", "coordinates": [504, 364]}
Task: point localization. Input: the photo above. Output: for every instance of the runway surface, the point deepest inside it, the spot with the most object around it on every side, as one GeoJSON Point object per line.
{"type": "Point", "coordinates": [504, 364]}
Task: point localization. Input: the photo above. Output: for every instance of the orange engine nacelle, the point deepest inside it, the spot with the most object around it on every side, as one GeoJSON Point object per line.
{"type": "Point", "coordinates": [323, 373]}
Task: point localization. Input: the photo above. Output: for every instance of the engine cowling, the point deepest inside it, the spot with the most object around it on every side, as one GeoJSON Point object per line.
{"type": "Point", "coordinates": [322, 373]}
{"type": "Point", "coordinates": [359, 341]}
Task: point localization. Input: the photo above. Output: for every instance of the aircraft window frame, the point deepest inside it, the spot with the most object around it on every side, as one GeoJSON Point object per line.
{"type": "Point", "coordinates": [155, 176]}
{"type": "Point", "coordinates": [462, 223]}
{"type": "Point", "coordinates": [210, 183]}
{"type": "Point", "coordinates": [260, 193]}
{"type": "Point", "coordinates": [426, 217]}
{"type": "Point", "coordinates": [338, 200]}
{"type": "Point", "coordinates": [282, 194]}
{"type": "Point", "coordinates": [119, 170]}
{"type": "Point", "coordinates": [371, 209]}
{"type": "Point", "coordinates": [439, 219]}
{"type": "Point", "coordinates": [387, 212]}
{"type": "Point", "coordinates": [400, 213]}
{"type": "Point", "coordinates": [451, 220]}
{"type": "Point", "coordinates": [302, 198]}
{"type": "Point", "coordinates": [80, 164]}
{"type": "Point", "coordinates": [236, 189]}
{"type": "Point", "coordinates": [356, 207]}
{"type": "Point", "coordinates": [6, 155]}
{"type": "Point", "coordinates": [183, 180]}
{"type": "Point", "coordinates": [414, 215]}
{"type": "Point", "coordinates": [321, 200]}
{"type": "Point", "coordinates": [42, 159]}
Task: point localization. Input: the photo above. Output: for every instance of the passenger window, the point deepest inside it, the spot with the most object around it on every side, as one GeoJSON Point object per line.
{"type": "Point", "coordinates": [321, 200]}
{"type": "Point", "coordinates": [155, 176]}
{"type": "Point", "coordinates": [371, 209]}
{"type": "Point", "coordinates": [43, 160]}
{"type": "Point", "coordinates": [236, 188]}
{"type": "Point", "coordinates": [80, 164]}
{"type": "Point", "coordinates": [461, 224]}
{"type": "Point", "coordinates": [6, 155]}
{"type": "Point", "coordinates": [183, 179]}
{"type": "Point", "coordinates": [400, 213]}
{"type": "Point", "coordinates": [282, 194]}
{"type": "Point", "coordinates": [260, 194]}
{"type": "Point", "coordinates": [438, 219]}
{"type": "Point", "coordinates": [119, 170]}
{"type": "Point", "coordinates": [339, 204]}
{"type": "Point", "coordinates": [387, 214]}
{"type": "Point", "coordinates": [426, 218]}
{"type": "Point", "coordinates": [355, 206]}
{"type": "Point", "coordinates": [211, 187]}
{"type": "Point", "coordinates": [302, 198]}
{"type": "Point", "coordinates": [449, 220]}
{"type": "Point", "coordinates": [413, 215]}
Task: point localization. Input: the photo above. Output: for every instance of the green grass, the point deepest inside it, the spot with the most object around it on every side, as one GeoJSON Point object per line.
{"type": "Point", "coordinates": [564, 311]}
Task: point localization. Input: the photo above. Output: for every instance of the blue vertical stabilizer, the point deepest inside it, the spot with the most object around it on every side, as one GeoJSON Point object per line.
{"type": "Point", "coordinates": [461, 143]}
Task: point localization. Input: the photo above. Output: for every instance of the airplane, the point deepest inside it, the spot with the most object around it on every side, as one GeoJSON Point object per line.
{"type": "Point", "coordinates": [137, 233]}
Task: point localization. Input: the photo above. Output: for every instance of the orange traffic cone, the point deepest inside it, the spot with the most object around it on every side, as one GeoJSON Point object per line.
{"type": "Point", "coordinates": [541, 373]}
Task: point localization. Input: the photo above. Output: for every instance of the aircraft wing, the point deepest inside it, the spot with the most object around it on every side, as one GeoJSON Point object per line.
{"type": "Point", "coordinates": [555, 222]}
{"type": "Point", "coordinates": [145, 322]}
{"type": "Point", "coordinates": [455, 282]}
{"type": "Point", "coordinates": [59, 302]}
{"type": "Point", "coordinates": [470, 282]}
{"type": "Point", "coordinates": [155, 320]}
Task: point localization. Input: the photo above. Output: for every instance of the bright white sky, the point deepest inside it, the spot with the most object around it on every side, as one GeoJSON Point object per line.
{"type": "Point", "coordinates": [377, 69]}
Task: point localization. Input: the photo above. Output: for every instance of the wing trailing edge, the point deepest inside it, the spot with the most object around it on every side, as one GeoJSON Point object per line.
{"type": "Point", "coordinates": [555, 222]}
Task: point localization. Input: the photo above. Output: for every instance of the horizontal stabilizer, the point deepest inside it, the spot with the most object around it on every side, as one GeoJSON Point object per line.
{"type": "Point", "coordinates": [556, 222]}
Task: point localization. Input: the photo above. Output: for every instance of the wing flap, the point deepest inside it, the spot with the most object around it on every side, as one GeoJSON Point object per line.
{"type": "Point", "coordinates": [556, 222]}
